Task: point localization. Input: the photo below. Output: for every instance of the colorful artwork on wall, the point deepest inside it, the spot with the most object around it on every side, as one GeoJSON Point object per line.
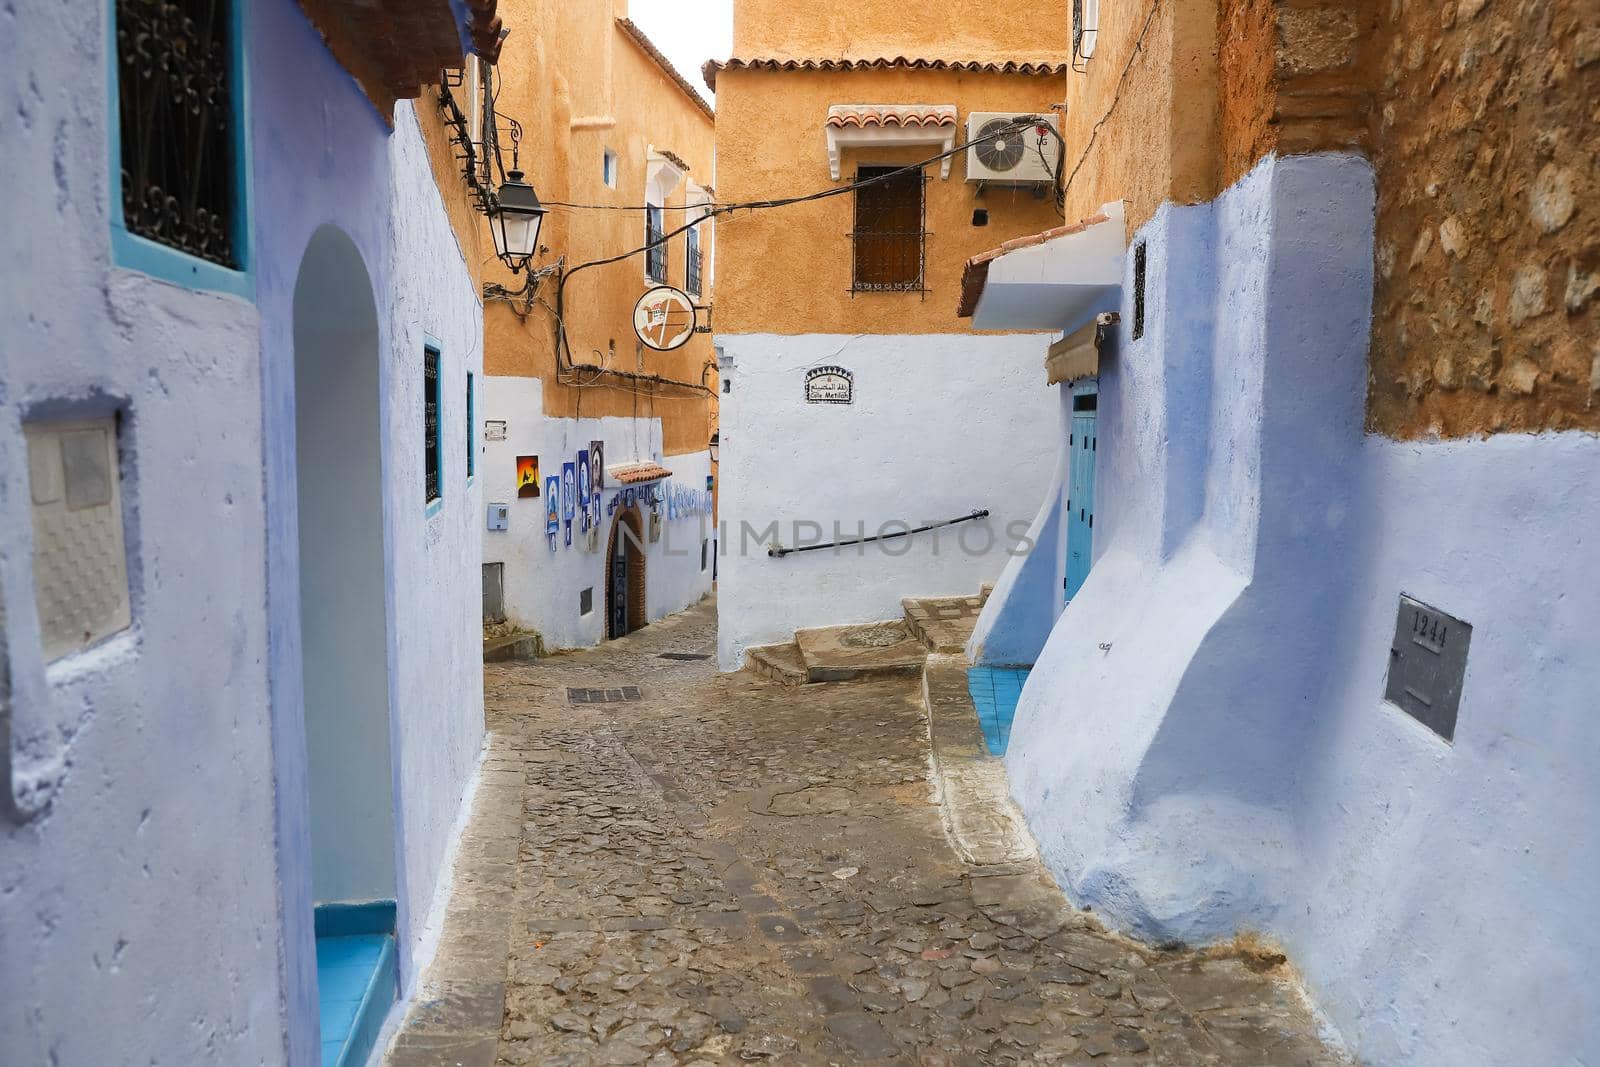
{"type": "Point", "coordinates": [527, 476]}
{"type": "Point", "coordinates": [569, 496]}
{"type": "Point", "coordinates": [552, 505]}
{"type": "Point", "coordinates": [597, 465]}
{"type": "Point", "coordinates": [584, 474]}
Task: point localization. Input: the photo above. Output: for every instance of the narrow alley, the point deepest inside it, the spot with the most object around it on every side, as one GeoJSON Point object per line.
{"type": "Point", "coordinates": [719, 868]}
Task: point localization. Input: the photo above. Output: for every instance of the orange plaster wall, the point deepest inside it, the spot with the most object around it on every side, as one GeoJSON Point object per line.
{"type": "Point", "coordinates": [788, 270]}
{"type": "Point", "coordinates": [567, 63]}
{"type": "Point", "coordinates": [1158, 127]}
{"type": "Point", "coordinates": [1022, 30]}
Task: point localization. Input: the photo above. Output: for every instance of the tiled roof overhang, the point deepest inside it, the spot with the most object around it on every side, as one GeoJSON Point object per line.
{"type": "Point", "coordinates": [633, 33]}
{"type": "Point", "coordinates": [634, 473]}
{"type": "Point", "coordinates": [976, 272]}
{"type": "Point", "coordinates": [395, 47]}
{"type": "Point", "coordinates": [844, 116]}
{"type": "Point", "coordinates": [1043, 69]}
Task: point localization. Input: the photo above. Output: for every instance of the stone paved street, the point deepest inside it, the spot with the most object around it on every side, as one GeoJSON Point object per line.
{"type": "Point", "coordinates": [732, 870]}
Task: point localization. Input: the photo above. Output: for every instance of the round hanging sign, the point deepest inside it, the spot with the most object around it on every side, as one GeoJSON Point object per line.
{"type": "Point", "coordinates": [664, 318]}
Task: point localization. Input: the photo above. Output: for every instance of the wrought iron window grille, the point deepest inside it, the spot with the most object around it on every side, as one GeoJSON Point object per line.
{"type": "Point", "coordinates": [655, 263]}
{"type": "Point", "coordinates": [175, 101]}
{"type": "Point", "coordinates": [693, 263]}
{"type": "Point", "coordinates": [1138, 289]}
{"type": "Point", "coordinates": [889, 241]}
{"type": "Point", "coordinates": [430, 423]}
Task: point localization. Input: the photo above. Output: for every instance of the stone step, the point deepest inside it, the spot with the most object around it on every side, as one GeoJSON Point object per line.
{"type": "Point", "coordinates": [779, 663]}
{"type": "Point", "coordinates": [980, 819]}
{"type": "Point", "coordinates": [943, 624]}
{"type": "Point", "coordinates": [871, 650]}
{"type": "Point", "coordinates": [505, 648]}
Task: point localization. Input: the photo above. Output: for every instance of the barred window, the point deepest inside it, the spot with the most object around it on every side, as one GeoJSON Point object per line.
{"type": "Point", "coordinates": [175, 88]}
{"type": "Point", "coordinates": [888, 231]}
{"type": "Point", "coordinates": [692, 263]}
{"type": "Point", "coordinates": [432, 446]}
{"type": "Point", "coordinates": [655, 261]}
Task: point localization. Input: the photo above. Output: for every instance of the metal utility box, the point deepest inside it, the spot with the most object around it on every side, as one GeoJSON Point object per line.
{"type": "Point", "coordinates": [1427, 665]}
{"type": "Point", "coordinates": [499, 516]}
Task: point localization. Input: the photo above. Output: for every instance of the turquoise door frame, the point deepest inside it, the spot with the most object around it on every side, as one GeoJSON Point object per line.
{"type": "Point", "coordinates": [1084, 445]}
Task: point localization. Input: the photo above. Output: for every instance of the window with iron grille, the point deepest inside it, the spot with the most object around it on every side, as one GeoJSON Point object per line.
{"type": "Point", "coordinates": [472, 444]}
{"type": "Point", "coordinates": [888, 231]}
{"type": "Point", "coordinates": [432, 447]}
{"type": "Point", "coordinates": [179, 170]}
{"type": "Point", "coordinates": [691, 267]}
{"type": "Point", "coordinates": [655, 259]}
{"type": "Point", "coordinates": [1138, 290]}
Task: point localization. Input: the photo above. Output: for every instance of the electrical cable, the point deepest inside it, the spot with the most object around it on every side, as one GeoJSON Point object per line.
{"type": "Point", "coordinates": [563, 346]}
{"type": "Point", "coordinates": [1138, 46]}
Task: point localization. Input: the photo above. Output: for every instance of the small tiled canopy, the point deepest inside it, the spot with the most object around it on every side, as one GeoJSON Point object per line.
{"type": "Point", "coordinates": [844, 116]}
{"type": "Point", "coordinates": [634, 473]}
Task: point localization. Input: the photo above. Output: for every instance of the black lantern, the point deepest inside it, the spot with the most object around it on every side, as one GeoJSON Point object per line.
{"type": "Point", "coordinates": [716, 445]}
{"type": "Point", "coordinates": [515, 221]}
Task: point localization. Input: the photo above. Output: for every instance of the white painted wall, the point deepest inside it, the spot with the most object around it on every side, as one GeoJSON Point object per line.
{"type": "Point", "coordinates": [542, 587]}
{"type": "Point", "coordinates": [1203, 746]}
{"type": "Point", "coordinates": [942, 425]}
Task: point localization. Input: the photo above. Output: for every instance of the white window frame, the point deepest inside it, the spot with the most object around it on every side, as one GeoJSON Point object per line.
{"type": "Point", "coordinates": [609, 161]}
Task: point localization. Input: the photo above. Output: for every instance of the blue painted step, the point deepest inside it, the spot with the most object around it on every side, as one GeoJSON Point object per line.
{"type": "Point", "coordinates": [995, 692]}
{"type": "Point", "coordinates": [357, 978]}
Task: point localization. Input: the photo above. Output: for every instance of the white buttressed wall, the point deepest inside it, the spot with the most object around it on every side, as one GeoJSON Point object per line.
{"type": "Point", "coordinates": [940, 426]}
{"type": "Point", "coordinates": [1203, 746]}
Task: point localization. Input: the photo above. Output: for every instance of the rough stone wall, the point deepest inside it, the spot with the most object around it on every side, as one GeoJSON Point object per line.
{"type": "Point", "coordinates": [1488, 251]}
{"type": "Point", "coordinates": [1296, 78]}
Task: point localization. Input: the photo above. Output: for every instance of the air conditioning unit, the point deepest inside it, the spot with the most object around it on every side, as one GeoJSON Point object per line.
{"type": "Point", "coordinates": [1000, 151]}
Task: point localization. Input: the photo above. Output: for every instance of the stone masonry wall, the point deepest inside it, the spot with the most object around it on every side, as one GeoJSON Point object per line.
{"type": "Point", "coordinates": [1488, 253]}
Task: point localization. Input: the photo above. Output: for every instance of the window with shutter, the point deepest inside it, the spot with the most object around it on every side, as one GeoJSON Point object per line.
{"type": "Point", "coordinates": [888, 248]}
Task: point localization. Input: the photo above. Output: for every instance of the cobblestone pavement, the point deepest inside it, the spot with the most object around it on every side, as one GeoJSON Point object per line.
{"type": "Point", "coordinates": [729, 870]}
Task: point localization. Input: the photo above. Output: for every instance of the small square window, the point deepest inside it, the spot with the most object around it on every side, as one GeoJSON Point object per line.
{"type": "Point", "coordinates": [608, 169]}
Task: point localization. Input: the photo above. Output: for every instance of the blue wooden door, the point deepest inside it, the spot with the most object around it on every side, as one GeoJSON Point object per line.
{"type": "Point", "coordinates": [1080, 491]}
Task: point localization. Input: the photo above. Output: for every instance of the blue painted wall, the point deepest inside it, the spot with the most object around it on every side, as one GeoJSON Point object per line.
{"type": "Point", "coordinates": [1228, 762]}
{"type": "Point", "coordinates": [176, 749]}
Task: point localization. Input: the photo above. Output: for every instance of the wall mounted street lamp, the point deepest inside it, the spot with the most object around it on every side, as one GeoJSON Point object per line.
{"type": "Point", "coordinates": [514, 221]}
{"type": "Point", "coordinates": [716, 445]}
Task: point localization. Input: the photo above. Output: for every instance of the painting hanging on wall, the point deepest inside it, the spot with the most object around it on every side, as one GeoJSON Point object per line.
{"type": "Point", "coordinates": [552, 505]}
{"type": "Point", "coordinates": [527, 476]}
{"type": "Point", "coordinates": [597, 465]}
{"type": "Point", "coordinates": [569, 496]}
{"type": "Point", "coordinates": [584, 474]}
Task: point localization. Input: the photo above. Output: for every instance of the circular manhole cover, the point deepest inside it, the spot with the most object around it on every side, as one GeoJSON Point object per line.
{"type": "Point", "coordinates": [872, 637]}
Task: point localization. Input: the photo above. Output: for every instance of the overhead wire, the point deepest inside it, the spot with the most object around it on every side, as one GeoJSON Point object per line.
{"type": "Point", "coordinates": [563, 346]}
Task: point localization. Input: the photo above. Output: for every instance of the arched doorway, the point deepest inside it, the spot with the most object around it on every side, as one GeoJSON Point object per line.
{"type": "Point", "coordinates": [625, 606]}
{"type": "Point", "coordinates": [343, 618]}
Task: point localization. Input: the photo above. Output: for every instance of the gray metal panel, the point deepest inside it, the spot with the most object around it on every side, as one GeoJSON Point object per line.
{"type": "Point", "coordinates": [1427, 665]}
{"type": "Point", "coordinates": [494, 596]}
